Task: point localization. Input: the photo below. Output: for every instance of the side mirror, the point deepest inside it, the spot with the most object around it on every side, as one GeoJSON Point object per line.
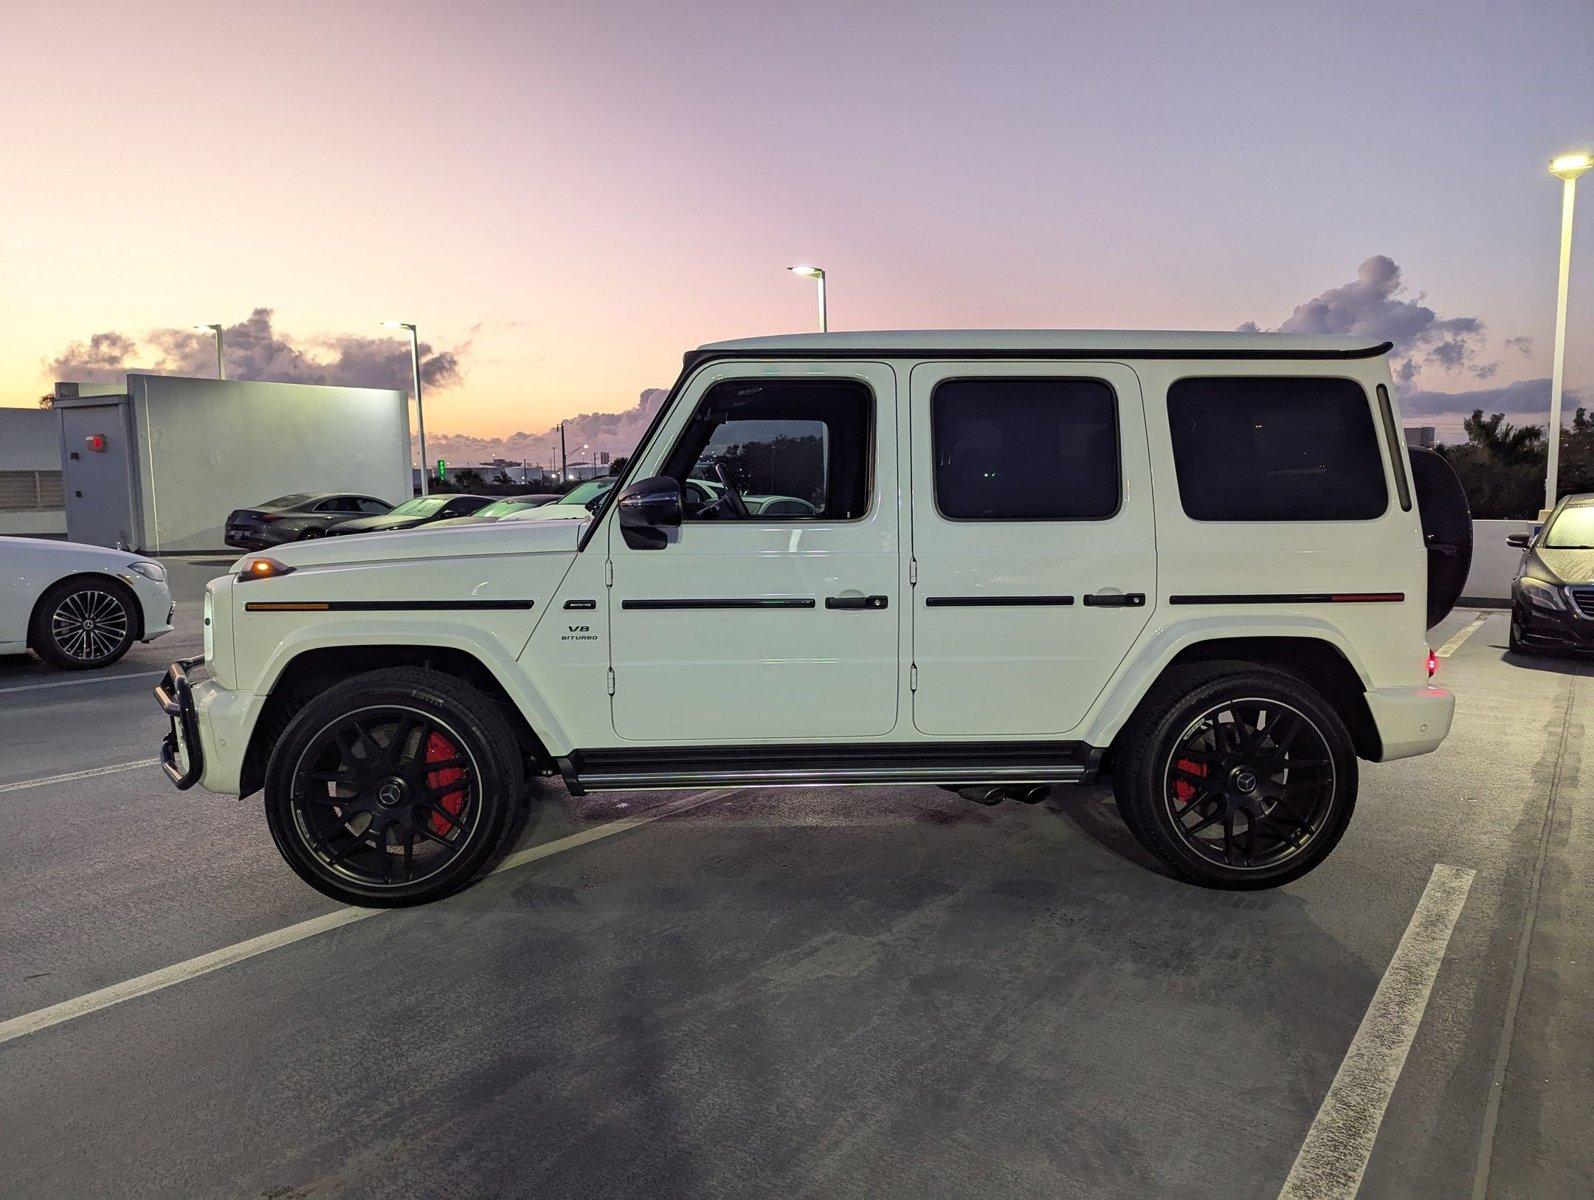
{"type": "Point", "coordinates": [1519, 540]}
{"type": "Point", "coordinates": [647, 509]}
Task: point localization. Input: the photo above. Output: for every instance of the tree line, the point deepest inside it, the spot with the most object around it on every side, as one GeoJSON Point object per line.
{"type": "Point", "coordinates": [1502, 465]}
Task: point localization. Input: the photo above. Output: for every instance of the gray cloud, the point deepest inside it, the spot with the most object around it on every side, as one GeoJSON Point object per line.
{"type": "Point", "coordinates": [614, 432]}
{"type": "Point", "coordinates": [1526, 398]}
{"type": "Point", "coordinates": [1372, 306]}
{"type": "Point", "coordinates": [254, 350]}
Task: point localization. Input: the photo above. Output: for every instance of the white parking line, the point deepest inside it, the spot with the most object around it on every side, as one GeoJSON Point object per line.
{"type": "Point", "coordinates": [71, 775]}
{"type": "Point", "coordinates": [61, 683]}
{"type": "Point", "coordinates": [1467, 631]}
{"type": "Point", "coordinates": [143, 985]}
{"type": "Point", "coordinates": [1340, 1142]}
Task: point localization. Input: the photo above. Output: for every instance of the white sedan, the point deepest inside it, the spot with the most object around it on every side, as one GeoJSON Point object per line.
{"type": "Point", "coordinates": [79, 606]}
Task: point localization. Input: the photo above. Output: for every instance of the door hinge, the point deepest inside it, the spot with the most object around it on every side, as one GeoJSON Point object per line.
{"type": "Point", "coordinates": [608, 572]}
{"type": "Point", "coordinates": [913, 677]}
{"type": "Point", "coordinates": [913, 571]}
{"type": "Point", "coordinates": [611, 681]}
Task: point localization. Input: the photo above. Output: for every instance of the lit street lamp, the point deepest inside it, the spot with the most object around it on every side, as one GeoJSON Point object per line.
{"type": "Point", "coordinates": [817, 274]}
{"type": "Point", "coordinates": [420, 416]}
{"type": "Point", "coordinates": [1567, 168]}
{"type": "Point", "coordinates": [221, 370]}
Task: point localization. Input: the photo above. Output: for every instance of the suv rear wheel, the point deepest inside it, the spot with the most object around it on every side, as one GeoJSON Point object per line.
{"type": "Point", "coordinates": [1235, 775]}
{"type": "Point", "coordinates": [393, 787]}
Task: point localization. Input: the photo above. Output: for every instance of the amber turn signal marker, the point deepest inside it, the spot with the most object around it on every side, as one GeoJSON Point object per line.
{"type": "Point", "coordinates": [263, 568]}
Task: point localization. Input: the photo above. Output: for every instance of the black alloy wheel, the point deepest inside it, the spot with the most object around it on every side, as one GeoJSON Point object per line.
{"type": "Point", "coordinates": [1249, 783]}
{"type": "Point", "coordinates": [393, 787]}
{"type": "Point", "coordinates": [1235, 775]}
{"type": "Point", "coordinates": [85, 623]}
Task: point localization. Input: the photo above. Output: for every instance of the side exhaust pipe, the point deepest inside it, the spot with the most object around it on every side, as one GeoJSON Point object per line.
{"type": "Point", "coordinates": [993, 793]}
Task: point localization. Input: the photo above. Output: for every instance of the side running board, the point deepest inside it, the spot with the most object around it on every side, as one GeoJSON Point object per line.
{"type": "Point", "coordinates": [945, 763]}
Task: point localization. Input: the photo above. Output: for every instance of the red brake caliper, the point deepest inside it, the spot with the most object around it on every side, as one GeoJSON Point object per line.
{"type": "Point", "coordinates": [440, 749]}
{"type": "Point", "coordinates": [1183, 789]}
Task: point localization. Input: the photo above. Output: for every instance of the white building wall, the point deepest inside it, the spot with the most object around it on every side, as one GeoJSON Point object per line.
{"type": "Point", "coordinates": [29, 442]}
{"type": "Point", "coordinates": [1494, 564]}
{"type": "Point", "coordinates": [205, 447]}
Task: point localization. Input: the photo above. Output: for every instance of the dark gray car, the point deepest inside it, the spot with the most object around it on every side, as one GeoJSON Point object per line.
{"type": "Point", "coordinates": [1552, 598]}
{"type": "Point", "coordinates": [297, 516]}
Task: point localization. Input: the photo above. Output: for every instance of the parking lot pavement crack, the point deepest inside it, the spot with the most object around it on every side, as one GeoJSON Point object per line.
{"type": "Point", "coordinates": [1502, 1065]}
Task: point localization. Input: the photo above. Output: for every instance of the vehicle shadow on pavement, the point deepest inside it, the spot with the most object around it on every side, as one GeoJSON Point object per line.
{"type": "Point", "coordinates": [1093, 812]}
{"type": "Point", "coordinates": [1564, 665]}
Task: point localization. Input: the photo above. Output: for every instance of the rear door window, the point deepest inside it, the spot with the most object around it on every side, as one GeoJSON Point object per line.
{"type": "Point", "coordinates": [1258, 448]}
{"type": "Point", "coordinates": [1014, 449]}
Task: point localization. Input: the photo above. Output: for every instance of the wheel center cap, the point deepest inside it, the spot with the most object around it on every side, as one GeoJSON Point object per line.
{"type": "Point", "coordinates": [391, 793]}
{"type": "Point", "coordinates": [1244, 780]}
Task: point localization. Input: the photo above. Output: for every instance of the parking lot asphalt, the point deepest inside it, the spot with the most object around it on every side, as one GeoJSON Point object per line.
{"type": "Point", "coordinates": [852, 992]}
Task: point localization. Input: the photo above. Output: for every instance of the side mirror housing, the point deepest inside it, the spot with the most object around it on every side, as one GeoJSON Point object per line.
{"type": "Point", "coordinates": [648, 509]}
{"type": "Point", "coordinates": [1519, 540]}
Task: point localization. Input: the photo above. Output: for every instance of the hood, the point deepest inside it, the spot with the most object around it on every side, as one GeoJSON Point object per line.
{"type": "Point", "coordinates": [485, 538]}
{"type": "Point", "coordinates": [550, 512]}
{"type": "Point", "coordinates": [1560, 566]}
{"type": "Point", "coordinates": [80, 553]}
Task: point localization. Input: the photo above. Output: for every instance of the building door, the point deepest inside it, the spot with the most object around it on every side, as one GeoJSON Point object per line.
{"type": "Point", "coordinates": [773, 613]}
{"type": "Point", "coordinates": [1032, 539]}
{"type": "Point", "coordinates": [97, 475]}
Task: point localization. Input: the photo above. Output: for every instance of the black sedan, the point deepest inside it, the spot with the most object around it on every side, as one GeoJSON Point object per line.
{"type": "Point", "coordinates": [1552, 600]}
{"type": "Point", "coordinates": [423, 510]}
{"type": "Point", "coordinates": [297, 516]}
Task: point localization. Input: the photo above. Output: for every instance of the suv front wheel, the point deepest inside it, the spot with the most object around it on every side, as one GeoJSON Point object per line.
{"type": "Point", "coordinates": [393, 787]}
{"type": "Point", "coordinates": [1236, 776]}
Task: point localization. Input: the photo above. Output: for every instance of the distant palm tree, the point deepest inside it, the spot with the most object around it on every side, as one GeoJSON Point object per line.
{"type": "Point", "coordinates": [468, 480]}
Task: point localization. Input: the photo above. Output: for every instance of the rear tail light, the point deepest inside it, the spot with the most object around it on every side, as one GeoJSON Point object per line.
{"type": "Point", "coordinates": [1433, 664]}
{"type": "Point", "coordinates": [268, 518]}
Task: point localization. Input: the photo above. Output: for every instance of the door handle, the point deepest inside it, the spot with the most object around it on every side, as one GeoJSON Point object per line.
{"type": "Point", "coordinates": [856, 602]}
{"type": "Point", "coordinates": [1116, 600]}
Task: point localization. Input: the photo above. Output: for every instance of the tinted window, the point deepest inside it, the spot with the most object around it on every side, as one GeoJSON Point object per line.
{"type": "Point", "coordinates": [291, 500]}
{"type": "Point", "coordinates": [792, 450]}
{"type": "Point", "coordinates": [1276, 449]}
{"type": "Point", "coordinates": [1025, 449]}
{"type": "Point", "coordinates": [373, 507]}
{"type": "Point", "coordinates": [338, 504]}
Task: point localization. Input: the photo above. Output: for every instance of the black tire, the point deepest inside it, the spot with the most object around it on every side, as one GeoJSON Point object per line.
{"type": "Point", "coordinates": [359, 765]}
{"type": "Point", "coordinates": [1514, 642]}
{"type": "Point", "coordinates": [1251, 802]}
{"type": "Point", "coordinates": [84, 623]}
{"type": "Point", "coordinates": [314, 531]}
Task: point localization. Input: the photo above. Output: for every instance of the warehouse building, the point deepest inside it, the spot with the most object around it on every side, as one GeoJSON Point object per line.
{"type": "Point", "coordinates": [156, 464]}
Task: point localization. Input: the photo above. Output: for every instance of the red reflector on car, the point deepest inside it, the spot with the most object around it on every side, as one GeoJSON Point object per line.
{"type": "Point", "coordinates": [1433, 664]}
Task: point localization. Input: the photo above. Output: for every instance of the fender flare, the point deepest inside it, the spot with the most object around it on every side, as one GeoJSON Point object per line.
{"type": "Point", "coordinates": [491, 653]}
{"type": "Point", "coordinates": [1150, 657]}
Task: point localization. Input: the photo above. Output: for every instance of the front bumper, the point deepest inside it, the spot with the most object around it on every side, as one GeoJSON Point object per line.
{"type": "Point", "coordinates": [182, 753]}
{"type": "Point", "coordinates": [1552, 629]}
{"type": "Point", "coordinates": [1410, 720]}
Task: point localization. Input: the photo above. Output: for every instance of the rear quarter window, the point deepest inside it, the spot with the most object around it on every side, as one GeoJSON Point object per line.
{"type": "Point", "coordinates": [1259, 448]}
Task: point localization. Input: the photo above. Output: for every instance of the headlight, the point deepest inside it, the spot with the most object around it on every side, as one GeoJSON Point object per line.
{"type": "Point", "coordinates": [149, 570]}
{"type": "Point", "coordinates": [1543, 594]}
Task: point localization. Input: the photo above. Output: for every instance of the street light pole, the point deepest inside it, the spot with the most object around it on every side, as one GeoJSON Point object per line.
{"type": "Point", "coordinates": [420, 413]}
{"type": "Point", "coordinates": [221, 368]}
{"type": "Point", "coordinates": [1565, 168]}
{"type": "Point", "coordinates": [817, 274]}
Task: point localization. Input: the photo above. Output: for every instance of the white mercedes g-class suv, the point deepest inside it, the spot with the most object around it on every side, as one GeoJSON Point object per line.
{"type": "Point", "coordinates": [1192, 560]}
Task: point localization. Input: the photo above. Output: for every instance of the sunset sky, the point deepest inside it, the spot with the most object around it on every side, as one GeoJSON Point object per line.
{"type": "Point", "coordinates": [567, 196]}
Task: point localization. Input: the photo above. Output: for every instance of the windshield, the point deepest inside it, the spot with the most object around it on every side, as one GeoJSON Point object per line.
{"type": "Point", "coordinates": [421, 506]}
{"type": "Point", "coordinates": [291, 500]}
{"type": "Point", "coordinates": [1573, 529]}
{"type": "Point", "coordinates": [587, 491]}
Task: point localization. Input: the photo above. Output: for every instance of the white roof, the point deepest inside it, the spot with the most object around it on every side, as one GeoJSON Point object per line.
{"type": "Point", "coordinates": [1123, 341]}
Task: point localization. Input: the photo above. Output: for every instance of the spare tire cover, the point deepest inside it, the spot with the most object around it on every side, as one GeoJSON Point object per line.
{"type": "Point", "coordinates": [1446, 529]}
